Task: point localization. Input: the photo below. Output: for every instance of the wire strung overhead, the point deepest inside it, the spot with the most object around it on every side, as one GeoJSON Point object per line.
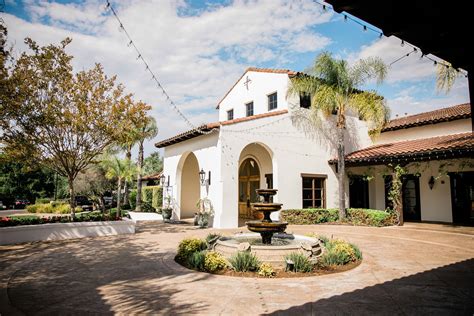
{"type": "Point", "coordinates": [140, 57]}
{"type": "Point", "coordinates": [380, 34]}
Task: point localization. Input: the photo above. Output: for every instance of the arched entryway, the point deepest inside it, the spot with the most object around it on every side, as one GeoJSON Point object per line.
{"type": "Point", "coordinates": [190, 190]}
{"type": "Point", "coordinates": [255, 172]}
{"type": "Point", "coordinates": [249, 181]}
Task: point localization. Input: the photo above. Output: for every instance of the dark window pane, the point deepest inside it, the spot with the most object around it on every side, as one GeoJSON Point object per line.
{"type": "Point", "coordinates": [318, 183]}
{"type": "Point", "coordinates": [307, 204]}
{"type": "Point", "coordinates": [307, 194]}
{"type": "Point", "coordinates": [249, 109]}
{"type": "Point", "coordinates": [307, 183]}
{"type": "Point", "coordinates": [318, 203]}
{"type": "Point", "coordinates": [318, 194]}
{"type": "Point", "coordinates": [305, 100]}
{"type": "Point", "coordinates": [272, 101]}
{"type": "Point", "coordinates": [230, 114]}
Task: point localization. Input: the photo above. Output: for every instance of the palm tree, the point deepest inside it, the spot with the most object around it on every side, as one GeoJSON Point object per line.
{"type": "Point", "coordinates": [130, 138]}
{"type": "Point", "coordinates": [334, 88]}
{"type": "Point", "coordinates": [120, 169]}
{"type": "Point", "coordinates": [149, 130]}
{"type": "Point", "coordinates": [445, 77]}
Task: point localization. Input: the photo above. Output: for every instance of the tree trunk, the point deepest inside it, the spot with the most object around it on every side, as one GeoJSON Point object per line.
{"type": "Point", "coordinates": [341, 172]}
{"type": "Point", "coordinates": [72, 196]}
{"type": "Point", "coordinates": [125, 184]}
{"type": "Point", "coordinates": [139, 178]}
{"type": "Point", "coordinates": [119, 196]}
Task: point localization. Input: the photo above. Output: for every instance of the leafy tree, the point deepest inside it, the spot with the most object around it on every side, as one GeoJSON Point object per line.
{"type": "Point", "coordinates": [93, 183]}
{"type": "Point", "coordinates": [149, 130]}
{"type": "Point", "coordinates": [334, 88]}
{"type": "Point", "coordinates": [120, 169]}
{"type": "Point", "coordinates": [60, 119]}
{"type": "Point", "coordinates": [18, 180]}
{"type": "Point", "coordinates": [153, 164]}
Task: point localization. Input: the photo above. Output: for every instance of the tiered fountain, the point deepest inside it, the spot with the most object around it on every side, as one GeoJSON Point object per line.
{"type": "Point", "coordinates": [273, 244]}
{"type": "Point", "coordinates": [266, 227]}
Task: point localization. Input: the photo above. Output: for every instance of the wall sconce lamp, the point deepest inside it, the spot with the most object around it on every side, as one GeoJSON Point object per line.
{"type": "Point", "coordinates": [163, 181]}
{"type": "Point", "coordinates": [431, 182]}
{"type": "Point", "coordinates": [202, 177]}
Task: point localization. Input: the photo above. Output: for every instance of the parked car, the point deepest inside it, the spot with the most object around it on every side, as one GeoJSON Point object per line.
{"type": "Point", "coordinates": [21, 203]}
{"type": "Point", "coordinates": [2, 206]}
{"type": "Point", "coordinates": [84, 203]}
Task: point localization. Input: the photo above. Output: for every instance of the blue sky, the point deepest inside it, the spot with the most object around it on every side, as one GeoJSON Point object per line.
{"type": "Point", "coordinates": [199, 48]}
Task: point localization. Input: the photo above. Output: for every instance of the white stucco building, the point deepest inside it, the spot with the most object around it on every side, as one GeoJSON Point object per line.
{"type": "Point", "coordinates": [264, 138]}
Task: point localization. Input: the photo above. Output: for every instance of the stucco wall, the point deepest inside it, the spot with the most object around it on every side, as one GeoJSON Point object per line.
{"type": "Point", "coordinates": [261, 85]}
{"type": "Point", "coordinates": [425, 131]}
{"type": "Point", "coordinates": [206, 148]}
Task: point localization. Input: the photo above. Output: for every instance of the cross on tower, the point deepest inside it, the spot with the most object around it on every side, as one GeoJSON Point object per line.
{"type": "Point", "coordinates": [247, 81]}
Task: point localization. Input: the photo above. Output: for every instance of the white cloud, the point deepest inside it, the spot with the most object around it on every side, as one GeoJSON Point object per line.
{"type": "Point", "coordinates": [408, 101]}
{"type": "Point", "coordinates": [408, 68]}
{"type": "Point", "coordinates": [197, 57]}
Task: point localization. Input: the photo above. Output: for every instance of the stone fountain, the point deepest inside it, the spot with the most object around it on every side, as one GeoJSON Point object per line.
{"type": "Point", "coordinates": [266, 227]}
{"type": "Point", "coordinates": [271, 244]}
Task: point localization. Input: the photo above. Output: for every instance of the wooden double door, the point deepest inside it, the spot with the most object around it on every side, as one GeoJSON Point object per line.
{"type": "Point", "coordinates": [249, 182]}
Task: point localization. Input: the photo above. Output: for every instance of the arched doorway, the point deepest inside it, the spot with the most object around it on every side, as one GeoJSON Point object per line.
{"type": "Point", "coordinates": [190, 190]}
{"type": "Point", "coordinates": [249, 181]}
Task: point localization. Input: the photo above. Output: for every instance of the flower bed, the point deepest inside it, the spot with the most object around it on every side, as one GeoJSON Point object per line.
{"type": "Point", "coordinates": [366, 217]}
{"type": "Point", "coordinates": [18, 230]}
{"type": "Point", "coordinates": [197, 254]}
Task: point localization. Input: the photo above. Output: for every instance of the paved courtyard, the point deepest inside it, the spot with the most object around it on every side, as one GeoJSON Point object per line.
{"type": "Point", "coordinates": [417, 269]}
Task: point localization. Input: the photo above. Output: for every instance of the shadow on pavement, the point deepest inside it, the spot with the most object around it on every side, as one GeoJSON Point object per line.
{"type": "Point", "coordinates": [445, 290]}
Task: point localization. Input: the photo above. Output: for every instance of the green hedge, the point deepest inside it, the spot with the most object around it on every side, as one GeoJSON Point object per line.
{"type": "Point", "coordinates": [354, 216]}
{"type": "Point", "coordinates": [309, 216]}
{"type": "Point", "coordinates": [34, 220]}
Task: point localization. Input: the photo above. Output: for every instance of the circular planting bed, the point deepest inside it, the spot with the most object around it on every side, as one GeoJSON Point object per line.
{"type": "Point", "coordinates": [246, 260]}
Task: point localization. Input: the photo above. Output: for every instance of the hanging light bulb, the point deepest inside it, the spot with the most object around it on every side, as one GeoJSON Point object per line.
{"type": "Point", "coordinates": [324, 7]}
{"type": "Point", "coordinates": [365, 28]}
{"type": "Point", "coordinates": [380, 35]}
{"type": "Point", "coordinates": [403, 43]}
{"type": "Point", "coordinates": [435, 62]}
{"type": "Point", "coordinates": [345, 18]}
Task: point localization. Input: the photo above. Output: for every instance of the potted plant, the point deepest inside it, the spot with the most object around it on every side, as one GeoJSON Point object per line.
{"type": "Point", "coordinates": [206, 211]}
{"type": "Point", "coordinates": [167, 211]}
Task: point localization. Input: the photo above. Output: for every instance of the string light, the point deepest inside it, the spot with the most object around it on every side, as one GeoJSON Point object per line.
{"type": "Point", "coordinates": [171, 103]}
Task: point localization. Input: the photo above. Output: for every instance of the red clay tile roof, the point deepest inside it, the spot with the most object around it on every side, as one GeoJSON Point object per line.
{"type": "Point", "coordinates": [452, 113]}
{"type": "Point", "coordinates": [254, 69]}
{"type": "Point", "coordinates": [155, 176]}
{"type": "Point", "coordinates": [210, 126]}
{"type": "Point", "coordinates": [448, 146]}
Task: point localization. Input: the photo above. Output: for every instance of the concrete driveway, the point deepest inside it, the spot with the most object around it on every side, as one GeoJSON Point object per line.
{"type": "Point", "coordinates": [417, 269]}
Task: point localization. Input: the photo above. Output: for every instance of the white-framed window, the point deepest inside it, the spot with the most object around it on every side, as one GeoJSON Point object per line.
{"type": "Point", "coordinates": [249, 108]}
{"type": "Point", "coordinates": [272, 101]}
{"type": "Point", "coordinates": [230, 114]}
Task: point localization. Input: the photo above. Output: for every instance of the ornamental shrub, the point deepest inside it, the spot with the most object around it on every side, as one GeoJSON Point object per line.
{"type": "Point", "coordinates": [53, 207]}
{"type": "Point", "coordinates": [189, 246]}
{"type": "Point", "coordinates": [244, 261]}
{"type": "Point", "coordinates": [354, 216]}
{"type": "Point", "coordinates": [214, 262]}
{"type": "Point", "coordinates": [36, 220]}
{"type": "Point", "coordinates": [339, 252]}
{"type": "Point", "coordinates": [196, 260]}
{"type": "Point", "coordinates": [309, 216]}
{"type": "Point", "coordinates": [266, 270]}
{"type": "Point", "coordinates": [370, 217]}
{"type": "Point", "coordinates": [300, 263]}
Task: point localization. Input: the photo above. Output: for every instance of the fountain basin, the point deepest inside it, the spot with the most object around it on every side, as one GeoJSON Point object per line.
{"type": "Point", "coordinates": [282, 245]}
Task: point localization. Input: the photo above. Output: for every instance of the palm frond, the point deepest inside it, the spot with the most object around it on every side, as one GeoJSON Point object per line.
{"type": "Point", "coordinates": [366, 69]}
{"type": "Point", "coordinates": [371, 107]}
{"type": "Point", "coordinates": [445, 77]}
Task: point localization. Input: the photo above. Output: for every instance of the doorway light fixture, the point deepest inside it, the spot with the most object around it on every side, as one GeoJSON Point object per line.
{"type": "Point", "coordinates": [202, 177]}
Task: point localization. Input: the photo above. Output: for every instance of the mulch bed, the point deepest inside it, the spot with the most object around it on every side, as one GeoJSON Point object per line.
{"type": "Point", "coordinates": [281, 273]}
